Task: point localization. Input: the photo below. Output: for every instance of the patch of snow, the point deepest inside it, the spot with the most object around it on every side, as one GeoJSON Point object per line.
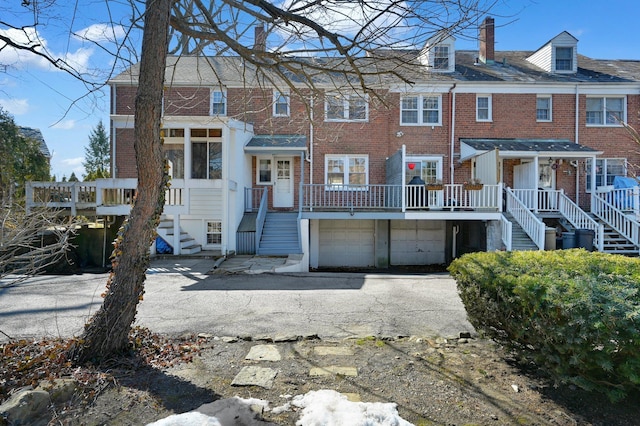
{"type": "Point", "coordinates": [187, 419]}
{"type": "Point", "coordinates": [327, 407]}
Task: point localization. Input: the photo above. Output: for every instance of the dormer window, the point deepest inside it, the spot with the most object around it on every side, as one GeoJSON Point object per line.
{"type": "Point", "coordinates": [438, 53]}
{"type": "Point", "coordinates": [564, 58]}
{"type": "Point", "coordinates": [441, 57]}
{"type": "Point", "coordinates": [558, 55]}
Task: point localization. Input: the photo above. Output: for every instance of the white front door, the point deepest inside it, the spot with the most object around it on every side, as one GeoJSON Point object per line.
{"type": "Point", "coordinates": [283, 185]}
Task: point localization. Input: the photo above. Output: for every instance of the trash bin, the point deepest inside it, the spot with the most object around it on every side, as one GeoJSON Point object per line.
{"type": "Point", "coordinates": [584, 238]}
{"type": "Point", "coordinates": [415, 196]}
{"type": "Point", "coordinates": [550, 239]}
{"type": "Point", "coordinates": [568, 240]}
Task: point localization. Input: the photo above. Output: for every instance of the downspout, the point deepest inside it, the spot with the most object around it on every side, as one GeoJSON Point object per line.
{"type": "Point", "coordinates": [452, 121]}
{"type": "Point", "coordinates": [577, 140]}
{"type": "Point", "coordinates": [310, 158]}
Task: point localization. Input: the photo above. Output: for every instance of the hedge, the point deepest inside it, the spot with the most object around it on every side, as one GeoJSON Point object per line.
{"type": "Point", "coordinates": [574, 313]}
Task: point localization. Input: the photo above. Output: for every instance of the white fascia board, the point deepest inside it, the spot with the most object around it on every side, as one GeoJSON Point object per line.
{"type": "Point", "coordinates": [421, 88]}
{"type": "Point", "coordinates": [548, 88]}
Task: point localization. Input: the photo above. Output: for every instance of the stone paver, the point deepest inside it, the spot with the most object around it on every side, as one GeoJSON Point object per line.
{"type": "Point", "coordinates": [264, 353]}
{"type": "Point", "coordinates": [333, 350]}
{"type": "Point", "coordinates": [255, 376]}
{"type": "Point", "coordinates": [333, 369]}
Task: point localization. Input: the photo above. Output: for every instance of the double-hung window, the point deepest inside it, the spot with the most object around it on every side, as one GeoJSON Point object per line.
{"type": "Point", "coordinates": [606, 170]}
{"type": "Point", "coordinates": [564, 58]}
{"type": "Point", "coordinates": [346, 171]}
{"type": "Point", "coordinates": [483, 108]}
{"type": "Point", "coordinates": [441, 57]}
{"type": "Point", "coordinates": [214, 232]}
{"type": "Point", "coordinates": [264, 171]}
{"type": "Point", "coordinates": [421, 110]}
{"type": "Point", "coordinates": [543, 108]}
{"type": "Point", "coordinates": [218, 102]}
{"type": "Point", "coordinates": [605, 111]}
{"type": "Point", "coordinates": [280, 104]}
{"type": "Point", "coordinates": [340, 107]}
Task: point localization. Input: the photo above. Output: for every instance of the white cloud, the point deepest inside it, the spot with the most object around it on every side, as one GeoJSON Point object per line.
{"type": "Point", "coordinates": [65, 124]}
{"type": "Point", "coordinates": [15, 106]}
{"type": "Point", "coordinates": [101, 32]}
{"type": "Point", "coordinates": [32, 39]}
{"type": "Point", "coordinates": [71, 162]}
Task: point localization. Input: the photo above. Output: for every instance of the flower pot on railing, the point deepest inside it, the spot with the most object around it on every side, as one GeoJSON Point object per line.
{"type": "Point", "coordinates": [472, 186]}
{"type": "Point", "coordinates": [434, 187]}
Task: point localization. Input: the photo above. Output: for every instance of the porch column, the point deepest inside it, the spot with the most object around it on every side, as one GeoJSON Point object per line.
{"type": "Point", "coordinates": [593, 181]}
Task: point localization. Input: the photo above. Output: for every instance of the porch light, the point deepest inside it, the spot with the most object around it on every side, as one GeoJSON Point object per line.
{"type": "Point", "coordinates": [411, 166]}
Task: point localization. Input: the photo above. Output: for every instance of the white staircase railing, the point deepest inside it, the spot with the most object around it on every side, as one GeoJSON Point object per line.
{"type": "Point", "coordinates": [623, 223]}
{"type": "Point", "coordinates": [530, 224]}
{"type": "Point", "coordinates": [507, 232]}
{"type": "Point", "coordinates": [580, 219]}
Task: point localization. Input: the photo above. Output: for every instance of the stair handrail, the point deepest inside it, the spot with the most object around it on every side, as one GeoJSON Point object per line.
{"type": "Point", "coordinates": [530, 224]}
{"type": "Point", "coordinates": [626, 226]}
{"type": "Point", "coordinates": [261, 216]}
{"type": "Point", "coordinates": [507, 232]}
{"type": "Point", "coordinates": [579, 219]}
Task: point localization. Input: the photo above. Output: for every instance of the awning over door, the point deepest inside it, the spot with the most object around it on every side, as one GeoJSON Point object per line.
{"type": "Point", "coordinates": [525, 148]}
{"type": "Point", "coordinates": [276, 145]}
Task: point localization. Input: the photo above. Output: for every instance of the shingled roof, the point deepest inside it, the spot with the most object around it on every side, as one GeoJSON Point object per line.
{"type": "Point", "coordinates": [35, 134]}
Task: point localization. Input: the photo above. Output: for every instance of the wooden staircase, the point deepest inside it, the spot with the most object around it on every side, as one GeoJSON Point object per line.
{"type": "Point", "coordinates": [615, 243]}
{"type": "Point", "coordinates": [188, 244]}
{"type": "Point", "coordinates": [519, 239]}
{"type": "Point", "coordinates": [280, 236]}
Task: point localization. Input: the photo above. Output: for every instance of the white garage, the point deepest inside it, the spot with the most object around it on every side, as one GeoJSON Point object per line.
{"type": "Point", "coordinates": [346, 243]}
{"type": "Point", "coordinates": [417, 242]}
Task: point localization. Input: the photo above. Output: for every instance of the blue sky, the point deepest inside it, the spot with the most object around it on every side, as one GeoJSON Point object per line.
{"type": "Point", "coordinates": [38, 96]}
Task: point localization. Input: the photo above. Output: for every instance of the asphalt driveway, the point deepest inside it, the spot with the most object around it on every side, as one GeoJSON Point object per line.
{"type": "Point", "coordinates": [181, 297]}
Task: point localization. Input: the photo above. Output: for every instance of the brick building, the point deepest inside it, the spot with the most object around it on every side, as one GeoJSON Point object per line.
{"type": "Point", "coordinates": [344, 178]}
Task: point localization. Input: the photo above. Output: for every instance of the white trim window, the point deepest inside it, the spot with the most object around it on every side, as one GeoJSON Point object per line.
{"type": "Point", "coordinates": [606, 111]}
{"type": "Point", "coordinates": [346, 170]}
{"type": "Point", "coordinates": [564, 58]}
{"type": "Point", "coordinates": [606, 170]}
{"type": "Point", "coordinates": [429, 169]}
{"type": "Point", "coordinates": [338, 107]}
{"type": "Point", "coordinates": [421, 110]}
{"type": "Point", "coordinates": [218, 102]}
{"type": "Point", "coordinates": [264, 171]}
{"type": "Point", "coordinates": [281, 104]}
{"type": "Point", "coordinates": [206, 153]}
{"type": "Point", "coordinates": [214, 232]}
{"type": "Point", "coordinates": [441, 58]}
{"type": "Point", "coordinates": [483, 108]}
{"type": "Point", "coordinates": [543, 109]}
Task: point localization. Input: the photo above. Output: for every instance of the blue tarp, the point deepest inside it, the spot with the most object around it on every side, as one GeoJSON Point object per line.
{"type": "Point", "coordinates": [624, 182]}
{"type": "Point", "coordinates": [162, 247]}
{"type": "Point", "coordinates": [624, 199]}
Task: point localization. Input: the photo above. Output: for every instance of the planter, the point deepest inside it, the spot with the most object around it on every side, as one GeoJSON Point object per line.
{"type": "Point", "coordinates": [472, 187]}
{"type": "Point", "coordinates": [434, 187]}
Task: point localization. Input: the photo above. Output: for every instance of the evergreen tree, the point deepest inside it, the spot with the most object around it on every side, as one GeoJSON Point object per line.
{"type": "Point", "coordinates": [20, 160]}
{"type": "Point", "coordinates": [97, 155]}
{"type": "Point", "coordinates": [73, 177]}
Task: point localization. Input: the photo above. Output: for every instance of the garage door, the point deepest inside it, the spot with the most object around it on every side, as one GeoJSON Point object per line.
{"type": "Point", "coordinates": [417, 242]}
{"type": "Point", "coordinates": [346, 243]}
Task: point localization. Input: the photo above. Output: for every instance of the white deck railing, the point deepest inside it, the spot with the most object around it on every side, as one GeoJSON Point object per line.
{"type": "Point", "coordinates": [507, 232]}
{"type": "Point", "coordinates": [390, 197]}
{"type": "Point", "coordinates": [530, 224]}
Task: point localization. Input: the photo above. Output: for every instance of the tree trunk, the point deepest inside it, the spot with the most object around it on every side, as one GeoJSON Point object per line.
{"type": "Point", "coordinates": [108, 331]}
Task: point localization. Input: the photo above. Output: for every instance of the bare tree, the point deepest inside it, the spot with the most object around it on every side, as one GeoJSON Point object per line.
{"type": "Point", "coordinates": [303, 42]}
{"type": "Point", "coordinates": [31, 243]}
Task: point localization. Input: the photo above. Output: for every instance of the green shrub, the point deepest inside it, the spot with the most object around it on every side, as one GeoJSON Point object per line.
{"type": "Point", "coordinates": [575, 314]}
